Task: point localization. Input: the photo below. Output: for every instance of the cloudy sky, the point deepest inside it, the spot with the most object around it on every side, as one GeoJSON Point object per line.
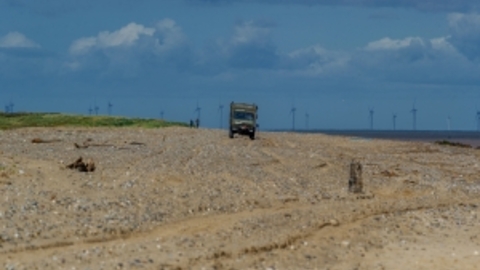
{"type": "Point", "coordinates": [332, 60]}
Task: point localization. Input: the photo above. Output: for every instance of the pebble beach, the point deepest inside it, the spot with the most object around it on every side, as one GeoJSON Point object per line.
{"type": "Point", "coordinates": [181, 198]}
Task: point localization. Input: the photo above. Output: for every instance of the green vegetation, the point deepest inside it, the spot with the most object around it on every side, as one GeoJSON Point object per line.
{"type": "Point", "coordinates": [19, 120]}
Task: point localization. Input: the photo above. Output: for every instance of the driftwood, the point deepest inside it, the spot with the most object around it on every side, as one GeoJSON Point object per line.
{"type": "Point", "coordinates": [137, 143]}
{"type": "Point", "coordinates": [87, 144]}
{"type": "Point", "coordinates": [80, 146]}
{"type": "Point", "coordinates": [80, 165]}
{"type": "Point", "coordinates": [39, 140]}
{"type": "Point", "coordinates": [355, 183]}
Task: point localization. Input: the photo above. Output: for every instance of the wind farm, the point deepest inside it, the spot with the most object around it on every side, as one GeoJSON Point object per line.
{"type": "Point", "coordinates": [379, 118]}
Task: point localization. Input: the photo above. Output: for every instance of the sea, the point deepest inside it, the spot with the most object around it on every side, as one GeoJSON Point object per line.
{"type": "Point", "coordinates": [471, 138]}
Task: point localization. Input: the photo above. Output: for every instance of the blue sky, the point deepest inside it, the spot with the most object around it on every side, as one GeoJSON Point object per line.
{"type": "Point", "coordinates": [331, 59]}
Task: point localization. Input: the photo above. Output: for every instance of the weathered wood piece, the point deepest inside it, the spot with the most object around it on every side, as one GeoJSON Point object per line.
{"type": "Point", "coordinates": [80, 165]}
{"type": "Point", "coordinates": [355, 183]}
{"type": "Point", "coordinates": [40, 140]}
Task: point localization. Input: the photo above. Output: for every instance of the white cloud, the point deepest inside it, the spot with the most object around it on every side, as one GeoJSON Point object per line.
{"type": "Point", "coordinates": [465, 34]}
{"type": "Point", "coordinates": [250, 46]}
{"type": "Point", "coordinates": [414, 60]}
{"type": "Point", "coordinates": [16, 40]}
{"type": "Point", "coordinates": [126, 36]}
{"type": "Point", "coordinates": [132, 49]}
{"type": "Point", "coordinates": [82, 45]}
{"type": "Point", "coordinates": [168, 35]}
{"type": "Point", "coordinates": [442, 44]}
{"type": "Point", "coordinates": [393, 44]}
{"type": "Point", "coordinates": [464, 24]}
{"type": "Point", "coordinates": [316, 60]}
{"type": "Point", "coordinates": [252, 32]}
{"type": "Point", "coordinates": [436, 47]}
{"type": "Point", "coordinates": [165, 36]}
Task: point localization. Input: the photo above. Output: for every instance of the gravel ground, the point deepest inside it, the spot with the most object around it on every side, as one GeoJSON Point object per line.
{"type": "Point", "coordinates": [179, 198]}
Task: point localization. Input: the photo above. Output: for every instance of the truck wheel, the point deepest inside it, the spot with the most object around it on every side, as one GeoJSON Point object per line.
{"type": "Point", "coordinates": [230, 134]}
{"type": "Point", "coordinates": [252, 136]}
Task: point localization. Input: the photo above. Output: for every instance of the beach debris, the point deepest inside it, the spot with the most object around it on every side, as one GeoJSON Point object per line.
{"type": "Point", "coordinates": [355, 183]}
{"type": "Point", "coordinates": [137, 143]}
{"type": "Point", "coordinates": [457, 144]}
{"type": "Point", "coordinates": [321, 165]}
{"type": "Point", "coordinates": [80, 165]}
{"type": "Point", "coordinates": [88, 144]}
{"type": "Point", "coordinates": [78, 146]}
{"type": "Point", "coordinates": [40, 140]}
{"type": "Point", "coordinates": [334, 222]}
{"type": "Point", "coordinates": [388, 173]}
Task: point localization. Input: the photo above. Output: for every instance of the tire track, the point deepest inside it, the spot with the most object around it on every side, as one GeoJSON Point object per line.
{"type": "Point", "coordinates": [212, 224]}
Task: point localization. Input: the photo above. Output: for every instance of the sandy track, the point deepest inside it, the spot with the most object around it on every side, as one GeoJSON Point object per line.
{"type": "Point", "coordinates": [180, 198]}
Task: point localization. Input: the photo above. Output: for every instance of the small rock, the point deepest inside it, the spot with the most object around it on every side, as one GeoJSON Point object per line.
{"type": "Point", "coordinates": [334, 222]}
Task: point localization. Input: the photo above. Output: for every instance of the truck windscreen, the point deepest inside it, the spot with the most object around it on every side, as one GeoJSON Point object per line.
{"type": "Point", "coordinates": [243, 115]}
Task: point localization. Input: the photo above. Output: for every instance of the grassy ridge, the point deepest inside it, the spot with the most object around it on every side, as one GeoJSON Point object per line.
{"type": "Point", "coordinates": [19, 120]}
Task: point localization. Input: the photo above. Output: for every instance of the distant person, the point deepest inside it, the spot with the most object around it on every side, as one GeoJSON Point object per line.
{"type": "Point", "coordinates": [191, 123]}
{"type": "Point", "coordinates": [197, 123]}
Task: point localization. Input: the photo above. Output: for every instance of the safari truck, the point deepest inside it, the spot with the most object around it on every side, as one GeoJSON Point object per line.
{"type": "Point", "coordinates": [243, 119]}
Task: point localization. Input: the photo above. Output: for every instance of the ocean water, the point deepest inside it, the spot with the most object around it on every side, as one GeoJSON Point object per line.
{"type": "Point", "coordinates": [467, 137]}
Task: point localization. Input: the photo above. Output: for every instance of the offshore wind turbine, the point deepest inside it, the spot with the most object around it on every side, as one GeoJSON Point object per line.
{"type": "Point", "coordinates": [9, 108]}
{"type": "Point", "coordinates": [307, 120]}
{"type": "Point", "coordinates": [414, 114]}
{"type": "Point", "coordinates": [478, 120]}
{"type": "Point", "coordinates": [110, 105]}
{"type": "Point", "coordinates": [394, 118]}
{"type": "Point", "coordinates": [161, 114]}
{"type": "Point", "coordinates": [292, 112]}
{"type": "Point", "coordinates": [90, 110]}
{"type": "Point", "coordinates": [220, 110]}
{"type": "Point", "coordinates": [371, 112]}
{"type": "Point", "coordinates": [96, 108]}
{"type": "Point", "coordinates": [198, 110]}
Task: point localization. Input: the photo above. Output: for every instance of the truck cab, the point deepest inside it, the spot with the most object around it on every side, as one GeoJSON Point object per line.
{"type": "Point", "coordinates": [243, 119]}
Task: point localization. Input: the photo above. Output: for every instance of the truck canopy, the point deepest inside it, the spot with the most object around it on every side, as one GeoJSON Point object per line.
{"type": "Point", "coordinates": [244, 106]}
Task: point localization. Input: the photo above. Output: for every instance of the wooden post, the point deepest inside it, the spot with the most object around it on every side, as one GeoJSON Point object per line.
{"type": "Point", "coordinates": [355, 183]}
